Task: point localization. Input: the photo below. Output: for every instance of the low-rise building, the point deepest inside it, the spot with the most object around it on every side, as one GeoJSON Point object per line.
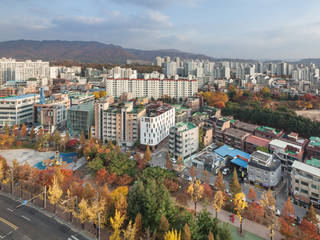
{"type": "Point", "coordinates": [246, 127]}
{"type": "Point", "coordinates": [80, 119]}
{"type": "Point", "coordinates": [207, 136]}
{"type": "Point", "coordinates": [235, 137]}
{"type": "Point", "coordinates": [156, 124]}
{"type": "Point", "coordinates": [252, 142]}
{"type": "Point", "coordinates": [264, 170]}
{"type": "Point", "coordinates": [16, 110]}
{"type": "Point", "coordinates": [220, 125]}
{"type": "Point", "coordinates": [286, 152]}
{"type": "Point", "coordinates": [268, 132]}
{"type": "Point", "coordinates": [77, 99]}
{"type": "Point", "coordinates": [184, 139]}
{"type": "Point", "coordinates": [305, 184]}
{"type": "Point", "coordinates": [182, 113]}
{"type": "Point", "coordinates": [313, 148]}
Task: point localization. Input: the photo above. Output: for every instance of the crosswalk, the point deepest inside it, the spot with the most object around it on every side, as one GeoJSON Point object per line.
{"type": "Point", "coordinates": [72, 237]}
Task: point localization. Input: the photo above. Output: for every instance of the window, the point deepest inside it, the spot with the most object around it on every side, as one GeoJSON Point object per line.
{"type": "Point", "coordinates": [314, 186]}
{"type": "Point", "coordinates": [304, 183]}
{"type": "Point", "coordinates": [297, 181]}
{"type": "Point", "coordinates": [297, 189]}
{"type": "Point", "coordinates": [304, 191]}
{"type": "Point", "coordinates": [314, 195]}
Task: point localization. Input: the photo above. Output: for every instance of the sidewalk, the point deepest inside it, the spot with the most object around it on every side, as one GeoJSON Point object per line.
{"type": "Point", "coordinates": [247, 225]}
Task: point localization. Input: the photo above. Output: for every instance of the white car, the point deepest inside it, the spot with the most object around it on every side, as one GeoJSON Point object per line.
{"type": "Point", "coordinates": [173, 160]}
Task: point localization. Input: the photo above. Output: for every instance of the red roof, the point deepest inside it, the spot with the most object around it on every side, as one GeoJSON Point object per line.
{"type": "Point", "coordinates": [258, 141]}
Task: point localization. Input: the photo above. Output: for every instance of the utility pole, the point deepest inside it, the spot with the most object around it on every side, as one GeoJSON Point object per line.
{"type": "Point", "coordinates": [45, 197]}
{"type": "Point", "coordinates": [12, 180]}
{"type": "Point", "coordinates": [99, 226]}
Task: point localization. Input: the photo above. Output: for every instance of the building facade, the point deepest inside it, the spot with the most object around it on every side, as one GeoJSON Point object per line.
{"type": "Point", "coordinates": [80, 118]}
{"type": "Point", "coordinates": [286, 152]}
{"type": "Point", "coordinates": [264, 170]}
{"type": "Point", "coordinates": [268, 132]}
{"type": "Point", "coordinates": [18, 109]}
{"type": "Point", "coordinates": [313, 148]}
{"type": "Point", "coordinates": [155, 126]}
{"type": "Point", "coordinates": [11, 69]}
{"type": "Point", "coordinates": [152, 88]}
{"type": "Point", "coordinates": [305, 184]}
{"type": "Point", "coordinates": [118, 122]}
{"type": "Point", "coordinates": [184, 139]}
{"type": "Point", "coordinates": [234, 137]}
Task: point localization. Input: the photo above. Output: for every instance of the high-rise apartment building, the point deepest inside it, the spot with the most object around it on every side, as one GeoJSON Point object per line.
{"type": "Point", "coordinates": [11, 69]}
{"type": "Point", "coordinates": [152, 88]}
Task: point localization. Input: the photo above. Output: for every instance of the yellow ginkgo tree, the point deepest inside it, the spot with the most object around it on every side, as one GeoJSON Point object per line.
{"type": "Point", "coordinates": [172, 235]}
{"type": "Point", "coordinates": [195, 190]}
{"type": "Point", "coordinates": [116, 224]}
{"type": "Point", "coordinates": [55, 192]}
{"type": "Point", "coordinates": [218, 201]}
{"type": "Point", "coordinates": [240, 205]}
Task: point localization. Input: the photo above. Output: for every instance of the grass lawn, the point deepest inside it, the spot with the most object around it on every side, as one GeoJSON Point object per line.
{"type": "Point", "coordinates": [235, 236]}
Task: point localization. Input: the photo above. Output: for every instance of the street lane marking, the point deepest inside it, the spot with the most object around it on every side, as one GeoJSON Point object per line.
{"type": "Point", "coordinates": [8, 223]}
{"type": "Point", "coordinates": [28, 219]}
{"type": "Point", "coordinates": [2, 237]}
{"type": "Point", "coordinates": [9, 209]}
{"type": "Point", "coordinates": [74, 237]}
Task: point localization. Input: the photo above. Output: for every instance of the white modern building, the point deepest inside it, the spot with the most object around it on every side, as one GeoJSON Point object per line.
{"type": "Point", "coordinates": [152, 88]}
{"type": "Point", "coordinates": [11, 69]}
{"type": "Point", "coordinates": [18, 109]}
{"type": "Point", "coordinates": [155, 126]}
{"type": "Point", "coordinates": [184, 139]}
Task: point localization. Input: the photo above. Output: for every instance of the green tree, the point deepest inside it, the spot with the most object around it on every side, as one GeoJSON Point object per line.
{"type": "Point", "coordinates": [6, 129]}
{"type": "Point", "coordinates": [235, 186]}
{"type": "Point", "coordinates": [151, 199]}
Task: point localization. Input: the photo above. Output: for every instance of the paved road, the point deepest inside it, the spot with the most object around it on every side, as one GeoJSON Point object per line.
{"type": "Point", "coordinates": [26, 223]}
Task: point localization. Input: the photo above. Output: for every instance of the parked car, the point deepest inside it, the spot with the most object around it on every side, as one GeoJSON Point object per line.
{"type": "Point", "coordinates": [225, 171]}
{"type": "Point", "coordinates": [173, 160]}
{"type": "Point", "coordinates": [278, 212]}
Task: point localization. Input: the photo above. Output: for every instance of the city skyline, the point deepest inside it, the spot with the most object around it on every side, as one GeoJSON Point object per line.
{"type": "Point", "coordinates": [233, 29]}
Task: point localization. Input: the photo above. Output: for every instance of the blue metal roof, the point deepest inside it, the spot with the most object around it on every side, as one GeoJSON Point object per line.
{"type": "Point", "coordinates": [237, 152]}
{"type": "Point", "coordinates": [240, 162]}
{"type": "Point", "coordinates": [224, 150]}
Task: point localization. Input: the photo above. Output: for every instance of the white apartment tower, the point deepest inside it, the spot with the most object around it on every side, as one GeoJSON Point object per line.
{"type": "Point", "coordinates": [11, 69]}
{"type": "Point", "coordinates": [155, 126]}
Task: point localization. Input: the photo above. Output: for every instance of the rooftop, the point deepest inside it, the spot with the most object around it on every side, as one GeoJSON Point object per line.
{"type": "Point", "coordinates": [184, 126]}
{"type": "Point", "coordinates": [314, 141]}
{"type": "Point", "coordinates": [156, 109]}
{"type": "Point", "coordinates": [226, 150]}
{"type": "Point", "coordinates": [314, 162]}
{"type": "Point", "coordinates": [258, 141]}
{"type": "Point", "coordinates": [268, 129]}
{"type": "Point", "coordinates": [282, 144]}
{"type": "Point", "coordinates": [235, 133]}
{"type": "Point", "coordinates": [245, 126]}
{"type": "Point", "coordinates": [20, 97]}
{"type": "Point", "coordinates": [306, 168]}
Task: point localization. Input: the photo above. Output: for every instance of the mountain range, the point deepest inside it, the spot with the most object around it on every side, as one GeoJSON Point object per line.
{"type": "Point", "coordinates": [97, 52]}
{"type": "Point", "coordinates": [83, 51]}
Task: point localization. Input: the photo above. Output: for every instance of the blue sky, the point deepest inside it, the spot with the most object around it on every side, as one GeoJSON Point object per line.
{"type": "Point", "coordinates": [265, 29]}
